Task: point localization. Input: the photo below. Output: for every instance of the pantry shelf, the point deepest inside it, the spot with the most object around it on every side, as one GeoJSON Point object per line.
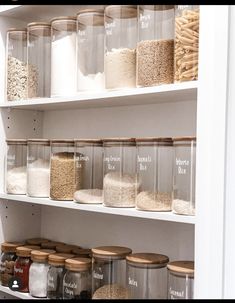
{"type": "Point", "coordinates": [130, 212]}
{"type": "Point", "coordinates": [177, 92]}
{"type": "Point", "coordinates": [16, 294]}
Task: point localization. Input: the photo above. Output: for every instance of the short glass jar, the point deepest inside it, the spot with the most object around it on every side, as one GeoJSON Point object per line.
{"type": "Point", "coordinates": [82, 252]}
{"type": "Point", "coordinates": [109, 272]}
{"type": "Point", "coordinates": [77, 279]}
{"type": "Point", "coordinates": [180, 279]}
{"type": "Point", "coordinates": [147, 276]}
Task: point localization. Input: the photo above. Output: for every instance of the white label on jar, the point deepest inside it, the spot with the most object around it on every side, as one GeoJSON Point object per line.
{"type": "Point", "coordinates": [18, 269]}
{"type": "Point", "coordinates": [111, 166]}
{"type": "Point", "coordinates": [98, 276]}
{"type": "Point", "coordinates": [182, 170]}
{"type": "Point", "coordinates": [144, 21]}
{"type": "Point", "coordinates": [2, 267]}
{"type": "Point", "coordinates": [132, 282]}
{"type": "Point", "coordinates": [83, 158]}
{"type": "Point", "coordinates": [109, 28]}
{"type": "Point", "coordinates": [142, 160]}
{"type": "Point", "coordinates": [174, 294]}
{"type": "Point", "coordinates": [11, 159]}
{"type": "Point", "coordinates": [51, 282]}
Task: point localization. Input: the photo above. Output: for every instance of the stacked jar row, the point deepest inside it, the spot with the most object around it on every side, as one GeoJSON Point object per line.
{"type": "Point", "coordinates": [151, 174]}
{"type": "Point", "coordinates": [123, 46]}
{"type": "Point", "coordinates": [85, 274]}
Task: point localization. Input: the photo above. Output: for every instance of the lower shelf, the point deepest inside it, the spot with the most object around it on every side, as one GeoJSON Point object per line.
{"type": "Point", "coordinates": [131, 212]}
{"type": "Point", "coordinates": [16, 294]}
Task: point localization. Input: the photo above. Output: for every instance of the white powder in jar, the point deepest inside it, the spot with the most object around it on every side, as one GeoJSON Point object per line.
{"type": "Point", "coordinates": [153, 201]}
{"type": "Point", "coordinates": [182, 207]}
{"type": "Point", "coordinates": [16, 181]}
{"type": "Point", "coordinates": [90, 82]}
{"type": "Point", "coordinates": [89, 196]}
{"type": "Point", "coordinates": [38, 279]}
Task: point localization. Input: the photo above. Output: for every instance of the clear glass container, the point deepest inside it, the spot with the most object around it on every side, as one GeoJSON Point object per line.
{"type": "Point", "coordinates": [184, 175]}
{"type": "Point", "coordinates": [120, 181]}
{"type": "Point", "coordinates": [16, 172]}
{"type": "Point", "coordinates": [109, 272]}
{"type": "Point", "coordinates": [147, 276]}
{"type": "Point", "coordinates": [186, 42]}
{"type": "Point", "coordinates": [16, 64]}
{"type": "Point", "coordinates": [155, 173]}
{"type": "Point", "coordinates": [38, 168]}
{"type": "Point", "coordinates": [90, 51]}
{"type": "Point", "coordinates": [155, 48]}
{"type": "Point", "coordinates": [63, 56]}
{"type": "Point", "coordinates": [180, 279]}
{"type": "Point", "coordinates": [89, 153]}
{"type": "Point", "coordinates": [77, 279]}
{"type": "Point", "coordinates": [120, 46]}
{"type": "Point", "coordinates": [39, 59]}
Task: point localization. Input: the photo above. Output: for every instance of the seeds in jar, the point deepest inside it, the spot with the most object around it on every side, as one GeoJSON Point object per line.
{"type": "Point", "coordinates": [153, 201]}
{"type": "Point", "coordinates": [111, 291]}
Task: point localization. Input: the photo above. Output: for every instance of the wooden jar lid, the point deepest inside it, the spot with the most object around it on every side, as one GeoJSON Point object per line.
{"type": "Point", "coordinates": [121, 139]}
{"type": "Point", "coordinates": [16, 141]}
{"type": "Point", "coordinates": [147, 259]}
{"type": "Point", "coordinates": [41, 255]}
{"type": "Point", "coordinates": [25, 251]}
{"type": "Point", "coordinates": [84, 141]}
{"type": "Point", "coordinates": [10, 246]}
{"type": "Point", "coordinates": [121, 11]}
{"type": "Point", "coordinates": [82, 252]}
{"type": "Point", "coordinates": [113, 252]}
{"type": "Point", "coordinates": [65, 248]}
{"type": "Point", "coordinates": [51, 244]}
{"type": "Point", "coordinates": [78, 264]}
{"type": "Point", "coordinates": [39, 141]}
{"type": "Point", "coordinates": [58, 259]}
{"type": "Point", "coordinates": [92, 17]}
{"type": "Point", "coordinates": [184, 267]}
{"type": "Point", "coordinates": [186, 138]}
{"type": "Point", "coordinates": [36, 241]}
{"type": "Point", "coordinates": [154, 139]}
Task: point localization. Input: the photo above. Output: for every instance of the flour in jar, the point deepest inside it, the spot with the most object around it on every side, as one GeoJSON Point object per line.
{"type": "Point", "coordinates": [16, 181]}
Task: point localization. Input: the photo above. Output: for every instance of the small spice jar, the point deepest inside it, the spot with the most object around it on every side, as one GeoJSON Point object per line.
{"type": "Point", "coordinates": [77, 279]}
{"type": "Point", "coordinates": [186, 42]}
{"type": "Point", "coordinates": [120, 184]}
{"type": "Point", "coordinates": [38, 168]}
{"type": "Point", "coordinates": [50, 245]}
{"type": "Point", "coordinates": [16, 173]}
{"type": "Point", "coordinates": [109, 272]}
{"type": "Point", "coordinates": [89, 153]}
{"type": "Point", "coordinates": [184, 175]}
{"type": "Point", "coordinates": [82, 252]}
{"type": "Point", "coordinates": [155, 48]}
{"type": "Point", "coordinates": [7, 263]}
{"type": "Point", "coordinates": [154, 171]}
{"type": "Point", "coordinates": [56, 274]}
{"type": "Point", "coordinates": [22, 265]}
{"type": "Point", "coordinates": [147, 276]}
{"type": "Point", "coordinates": [90, 49]}
{"type": "Point", "coordinates": [37, 241]}
{"type": "Point", "coordinates": [120, 46]}
{"type": "Point", "coordinates": [180, 279]}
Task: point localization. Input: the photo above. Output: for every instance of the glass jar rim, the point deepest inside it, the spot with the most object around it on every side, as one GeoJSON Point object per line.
{"type": "Point", "coordinates": [113, 11]}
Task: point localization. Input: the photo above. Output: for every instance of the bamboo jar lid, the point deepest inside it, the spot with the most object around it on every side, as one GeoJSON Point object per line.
{"type": "Point", "coordinates": [65, 248]}
{"type": "Point", "coordinates": [58, 259]}
{"type": "Point", "coordinates": [91, 17]}
{"type": "Point", "coordinates": [10, 246]}
{"type": "Point", "coordinates": [121, 11]}
{"type": "Point", "coordinates": [111, 252]}
{"type": "Point", "coordinates": [184, 267]}
{"type": "Point", "coordinates": [147, 259]}
{"type": "Point", "coordinates": [41, 255]}
{"type": "Point", "coordinates": [78, 264]}
{"type": "Point", "coordinates": [82, 252]}
{"type": "Point", "coordinates": [186, 138]}
{"type": "Point", "coordinates": [51, 244]}
{"type": "Point", "coordinates": [36, 241]}
{"type": "Point", "coordinates": [25, 251]}
{"type": "Point", "coordinates": [16, 141]}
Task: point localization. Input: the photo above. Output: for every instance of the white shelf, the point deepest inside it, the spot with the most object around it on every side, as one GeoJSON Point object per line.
{"type": "Point", "coordinates": [16, 294]}
{"type": "Point", "coordinates": [186, 91]}
{"type": "Point", "coordinates": [131, 212]}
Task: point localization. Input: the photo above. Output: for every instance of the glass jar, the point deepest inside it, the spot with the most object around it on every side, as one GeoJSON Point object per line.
{"type": "Point", "coordinates": [22, 265]}
{"type": "Point", "coordinates": [155, 48]}
{"type": "Point", "coordinates": [120, 181]}
{"type": "Point", "coordinates": [16, 173]}
{"type": "Point", "coordinates": [90, 51]}
{"type": "Point", "coordinates": [51, 245]}
{"type": "Point", "coordinates": [7, 263]}
{"type": "Point", "coordinates": [82, 252]}
{"type": "Point", "coordinates": [154, 171]}
{"type": "Point", "coordinates": [37, 241]}
{"type": "Point", "coordinates": [120, 46]}
{"type": "Point", "coordinates": [66, 248]}
{"type": "Point", "coordinates": [16, 64]}
{"type": "Point", "coordinates": [109, 272]}
{"type": "Point", "coordinates": [56, 274]}
{"type": "Point", "coordinates": [180, 279]}
{"type": "Point", "coordinates": [38, 168]}
{"type": "Point", "coordinates": [184, 175]}
{"type": "Point", "coordinates": [39, 59]}
{"type": "Point", "coordinates": [186, 42]}
{"type": "Point", "coordinates": [77, 279]}
{"type": "Point", "coordinates": [63, 56]}
{"type": "Point", "coordinates": [147, 276]}
{"type": "Point", "coordinates": [89, 152]}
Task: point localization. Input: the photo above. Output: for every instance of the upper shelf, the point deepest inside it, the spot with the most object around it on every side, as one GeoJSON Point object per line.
{"type": "Point", "coordinates": [147, 95]}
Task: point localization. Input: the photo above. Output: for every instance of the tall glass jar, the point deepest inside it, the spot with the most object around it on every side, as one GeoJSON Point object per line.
{"type": "Point", "coordinates": [38, 168]}
{"type": "Point", "coordinates": [184, 175]}
{"type": "Point", "coordinates": [120, 46]}
{"type": "Point", "coordinates": [16, 173]}
{"type": "Point", "coordinates": [109, 272]}
{"type": "Point", "coordinates": [39, 59]}
{"type": "Point", "coordinates": [77, 279]}
{"type": "Point", "coordinates": [120, 181]}
{"type": "Point", "coordinates": [90, 51]}
{"type": "Point", "coordinates": [154, 171]}
{"type": "Point", "coordinates": [89, 152]}
{"type": "Point", "coordinates": [16, 64]}
{"type": "Point", "coordinates": [180, 279]}
{"type": "Point", "coordinates": [63, 56]}
{"type": "Point", "coordinates": [155, 48]}
{"type": "Point", "coordinates": [186, 42]}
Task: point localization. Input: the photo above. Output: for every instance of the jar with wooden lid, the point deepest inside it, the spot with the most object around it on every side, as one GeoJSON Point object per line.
{"type": "Point", "coordinates": [77, 279]}
{"type": "Point", "coordinates": [7, 263]}
{"type": "Point", "coordinates": [38, 168]}
{"type": "Point", "coordinates": [37, 241]}
{"type": "Point", "coordinates": [82, 252]}
{"type": "Point", "coordinates": [90, 49]}
{"type": "Point", "coordinates": [16, 172]}
{"type": "Point", "coordinates": [120, 184]}
{"type": "Point", "coordinates": [51, 245]}
{"type": "Point", "coordinates": [184, 175]}
{"type": "Point", "coordinates": [147, 275]}
{"type": "Point", "coordinates": [16, 64]}
{"type": "Point", "coordinates": [180, 279]}
{"type": "Point", "coordinates": [39, 59]}
{"type": "Point", "coordinates": [120, 46]}
{"type": "Point", "coordinates": [109, 272]}
{"type": "Point", "coordinates": [186, 42]}
{"type": "Point", "coordinates": [66, 248]}
{"type": "Point", "coordinates": [154, 172]}
{"type": "Point", "coordinates": [89, 153]}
